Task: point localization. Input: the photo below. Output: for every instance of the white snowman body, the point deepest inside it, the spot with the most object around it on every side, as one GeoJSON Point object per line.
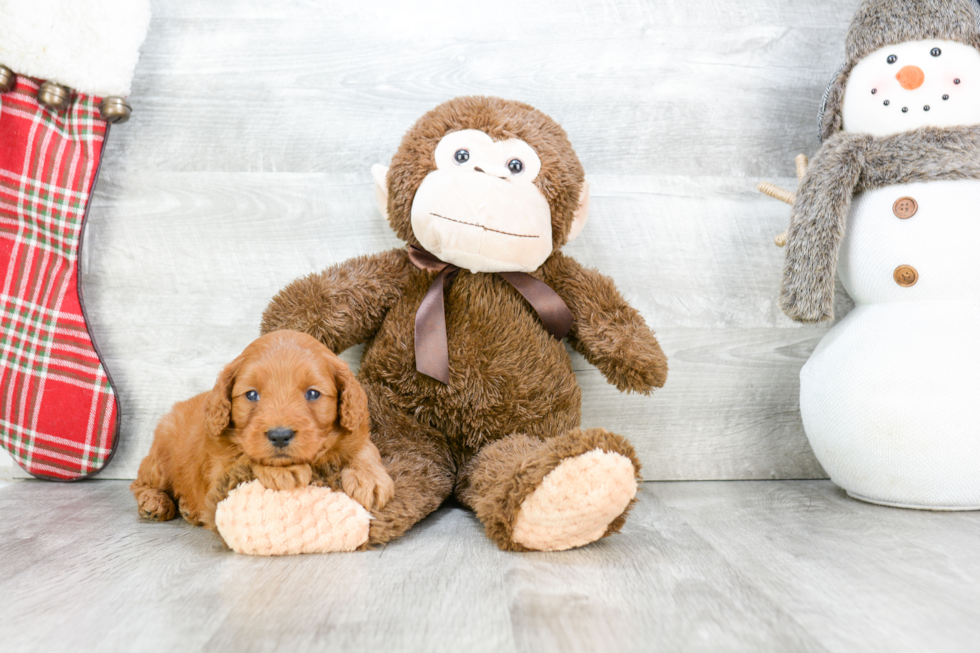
{"type": "Point", "coordinates": [890, 398]}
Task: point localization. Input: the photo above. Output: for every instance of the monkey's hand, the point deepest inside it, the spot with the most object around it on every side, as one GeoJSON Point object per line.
{"type": "Point", "coordinates": [626, 352]}
{"type": "Point", "coordinates": [606, 330]}
{"type": "Point", "coordinates": [345, 304]}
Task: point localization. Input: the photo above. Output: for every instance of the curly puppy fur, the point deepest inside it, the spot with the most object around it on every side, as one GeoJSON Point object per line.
{"type": "Point", "coordinates": [210, 443]}
{"type": "Point", "coordinates": [507, 374]}
{"type": "Point", "coordinates": [848, 164]}
{"type": "Point", "coordinates": [879, 23]}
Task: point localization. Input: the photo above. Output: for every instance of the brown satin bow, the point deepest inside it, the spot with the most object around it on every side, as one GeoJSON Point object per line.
{"type": "Point", "coordinates": [431, 343]}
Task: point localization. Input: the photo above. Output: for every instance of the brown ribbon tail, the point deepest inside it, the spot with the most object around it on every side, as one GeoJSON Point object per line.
{"type": "Point", "coordinates": [547, 304]}
{"type": "Point", "coordinates": [425, 260]}
{"type": "Point", "coordinates": [431, 343]}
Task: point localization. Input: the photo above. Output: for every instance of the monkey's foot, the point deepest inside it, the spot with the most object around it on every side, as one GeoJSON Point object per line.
{"type": "Point", "coordinates": [576, 502]}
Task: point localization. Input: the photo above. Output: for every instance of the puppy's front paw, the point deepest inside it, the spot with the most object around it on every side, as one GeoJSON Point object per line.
{"type": "Point", "coordinates": [156, 505]}
{"type": "Point", "coordinates": [369, 485]}
{"type": "Point", "coordinates": [292, 477]}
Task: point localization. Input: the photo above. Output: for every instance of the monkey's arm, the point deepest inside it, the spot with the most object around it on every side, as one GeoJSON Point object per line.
{"type": "Point", "coordinates": [345, 304]}
{"type": "Point", "coordinates": [610, 333]}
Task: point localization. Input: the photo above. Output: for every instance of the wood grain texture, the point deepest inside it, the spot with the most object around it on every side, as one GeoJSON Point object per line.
{"type": "Point", "coordinates": [736, 566]}
{"type": "Point", "coordinates": [247, 162]}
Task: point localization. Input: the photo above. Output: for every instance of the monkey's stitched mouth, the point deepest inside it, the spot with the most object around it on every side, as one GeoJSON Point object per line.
{"type": "Point", "coordinates": [473, 224]}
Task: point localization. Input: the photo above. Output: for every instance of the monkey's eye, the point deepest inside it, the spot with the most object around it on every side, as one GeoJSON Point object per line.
{"type": "Point", "coordinates": [461, 156]}
{"type": "Point", "coordinates": [312, 395]}
{"type": "Point", "coordinates": [516, 166]}
{"type": "Point", "coordinates": [252, 395]}
{"type": "Point", "coordinates": [892, 58]}
{"type": "Point", "coordinates": [936, 52]}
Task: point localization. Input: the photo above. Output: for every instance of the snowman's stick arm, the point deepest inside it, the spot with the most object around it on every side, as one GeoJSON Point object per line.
{"type": "Point", "coordinates": [783, 195]}
{"type": "Point", "coordinates": [776, 192]}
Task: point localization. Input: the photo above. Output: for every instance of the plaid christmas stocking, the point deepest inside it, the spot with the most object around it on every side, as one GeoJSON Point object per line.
{"type": "Point", "coordinates": [59, 417]}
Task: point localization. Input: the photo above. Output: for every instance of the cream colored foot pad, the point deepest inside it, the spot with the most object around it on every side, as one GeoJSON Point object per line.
{"type": "Point", "coordinates": [256, 521]}
{"type": "Point", "coordinates": [576, 502]}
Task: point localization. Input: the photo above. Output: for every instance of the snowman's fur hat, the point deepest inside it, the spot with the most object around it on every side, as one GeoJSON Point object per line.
{"type": "Point", "coordinates": [878, 23]}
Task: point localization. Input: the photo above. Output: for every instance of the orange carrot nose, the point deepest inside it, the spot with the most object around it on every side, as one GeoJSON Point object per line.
{"type": "Point", "coordinates": [910, 77]}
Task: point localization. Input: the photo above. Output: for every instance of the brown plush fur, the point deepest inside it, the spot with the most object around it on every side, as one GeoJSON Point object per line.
{"type": "Point", "coordinates": [879, 23]}
{"type": "Point", "coordinates": [211, 442]}
{"type": "Point", "coordinates": [507, 375]}
{"type": "Point", "coordinates": [849, 164]}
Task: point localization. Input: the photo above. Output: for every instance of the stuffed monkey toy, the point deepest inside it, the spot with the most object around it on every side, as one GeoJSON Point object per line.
{"type": "Point", "coordinates": [471, 391]}
{"type": "Point", "coordinates": [890, 203]}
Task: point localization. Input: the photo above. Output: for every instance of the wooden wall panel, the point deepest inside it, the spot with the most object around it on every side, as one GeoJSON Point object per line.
{"type": "Point", "coordinates": [247, 163]}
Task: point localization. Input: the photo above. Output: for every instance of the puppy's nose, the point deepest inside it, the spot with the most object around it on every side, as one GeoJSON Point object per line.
{"type": "Point", "coordinates": [280, 436]}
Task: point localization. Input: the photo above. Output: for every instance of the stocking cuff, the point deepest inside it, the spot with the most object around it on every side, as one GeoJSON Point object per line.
{"type": "Point", "coordinates": [91, 46]}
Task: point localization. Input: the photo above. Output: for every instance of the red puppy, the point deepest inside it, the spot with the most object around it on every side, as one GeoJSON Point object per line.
{"type": "Point", "coordinates": [285, 407]}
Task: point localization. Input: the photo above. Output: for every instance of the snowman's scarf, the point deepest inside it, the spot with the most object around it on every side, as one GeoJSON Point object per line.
{"type": "Point", "coordinates": [848, 164]}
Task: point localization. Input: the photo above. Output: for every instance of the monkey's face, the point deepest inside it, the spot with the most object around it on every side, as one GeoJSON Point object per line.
{"type": "Point", "coordinates": [487, 184]}
{"type": "Point", "coordinates": [480, 208]}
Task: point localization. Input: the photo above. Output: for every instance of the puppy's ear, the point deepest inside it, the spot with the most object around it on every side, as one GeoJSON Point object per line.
{"type": "Point", "coordinates": [352, 406]}
{"type": "Point", "coordinates": [217, 405]}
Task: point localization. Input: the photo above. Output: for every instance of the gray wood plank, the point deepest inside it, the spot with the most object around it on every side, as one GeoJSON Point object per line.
{"type": "Point", "coordinates": [733, 566]}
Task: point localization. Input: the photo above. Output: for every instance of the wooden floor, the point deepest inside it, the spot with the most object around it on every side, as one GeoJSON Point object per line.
{"type": "Point", "coordinates": [752, 566]}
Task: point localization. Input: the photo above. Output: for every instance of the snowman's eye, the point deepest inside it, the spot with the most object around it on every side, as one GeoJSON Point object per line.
{"type": "Point", "coordinates": [892, 58]}
{"type": "Point", "coordinates": [936, 52]}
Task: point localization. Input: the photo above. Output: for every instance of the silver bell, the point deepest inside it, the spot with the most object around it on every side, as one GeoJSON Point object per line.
{"type": "Point", "coordinates": [54, 95]}
{"type": "Point", "coordinates": [7, 79]}
{"type": "Point", "coordinates": [115, 110]}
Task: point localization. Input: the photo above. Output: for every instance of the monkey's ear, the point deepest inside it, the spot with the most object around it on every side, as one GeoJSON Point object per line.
{"type": "Point", "coordinates": [380, 174]}
{"type": "Point", "coordinates": [581, 214]}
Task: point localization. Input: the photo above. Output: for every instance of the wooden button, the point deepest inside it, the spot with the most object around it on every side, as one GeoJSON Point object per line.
{"type": "Point", "coordinates": [905, 207]}
{"type": "Point", "coordinates": [906, 276]}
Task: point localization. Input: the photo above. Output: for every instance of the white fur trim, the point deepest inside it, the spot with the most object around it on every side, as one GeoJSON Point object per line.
{"type": "Point", "coordinates": [91, 46]}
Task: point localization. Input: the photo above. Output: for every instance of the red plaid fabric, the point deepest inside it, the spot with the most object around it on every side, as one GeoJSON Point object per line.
{"type": "Point", "coordinates": [58, 411]}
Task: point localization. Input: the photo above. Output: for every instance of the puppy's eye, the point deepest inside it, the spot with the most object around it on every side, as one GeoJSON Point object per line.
{"type": "Point", "coordinates": [936, 52]}
{"type": "Point", "coordinates": [516, 166]}
{"type": "Point", "coordinates": [461, 156]}
{"type": "Point", "coordinates": [892, 58]}
{"type": "Point", "coordinates": [252, 395]}
{"type": "Point", "coordinates": [312, 395]}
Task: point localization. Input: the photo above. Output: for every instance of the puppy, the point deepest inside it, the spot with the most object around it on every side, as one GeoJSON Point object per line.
{"type": "Point", "coordinates": [283, 409]}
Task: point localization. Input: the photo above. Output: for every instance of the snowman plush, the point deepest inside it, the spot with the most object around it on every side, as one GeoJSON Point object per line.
{"type": "Point", "coordinates": [890, 398]}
